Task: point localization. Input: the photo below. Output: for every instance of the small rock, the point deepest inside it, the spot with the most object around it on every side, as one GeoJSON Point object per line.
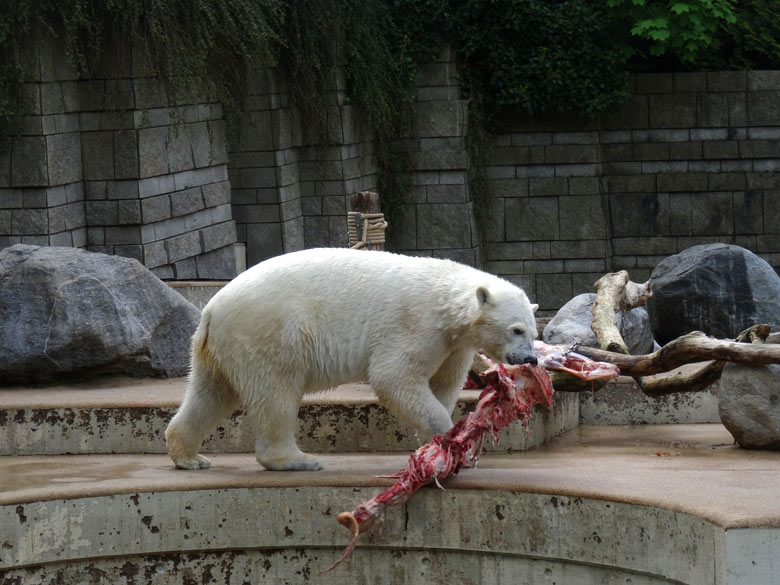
{"type": "Point", "coordinates": [68, 312]}
{"type": "Point", "coordinates": [749, 405]}
{"type": "Point", "coordinates": [572, 325]}
{"type": "Point", "coordinates": [719, 289]}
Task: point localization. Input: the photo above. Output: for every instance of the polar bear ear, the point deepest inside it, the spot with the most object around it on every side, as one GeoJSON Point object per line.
{"type": "Point", "coordinates": [483, 296]}
{"type": "Point", "coordinates": [534, 307]}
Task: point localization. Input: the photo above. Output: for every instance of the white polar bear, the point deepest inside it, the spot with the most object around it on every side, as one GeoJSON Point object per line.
{"type": "Point", "coordinates": [314, 319]}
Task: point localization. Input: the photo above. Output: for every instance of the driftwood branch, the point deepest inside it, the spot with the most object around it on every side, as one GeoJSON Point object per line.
{"type": "Point", "coordinates": [702, 378]}
{"type": "Point", "coordinates": [615, 292]}
{"type": "Point", "coordinates": [752, 347]}
{"type": "Point", "coordinates": [691, 348]}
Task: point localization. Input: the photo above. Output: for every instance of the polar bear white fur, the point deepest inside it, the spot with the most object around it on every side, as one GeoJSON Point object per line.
{"type": "Point", "coordinates": [314, 319]}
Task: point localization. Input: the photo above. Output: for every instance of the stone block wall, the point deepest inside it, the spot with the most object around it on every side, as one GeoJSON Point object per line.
{"type": "Point", "coordinates": [107, 164]}
{"type": "Point", "coordinates": [440, 221]}
{"type": "Point", "coordinates": [41, 189]}
{"type": "Point", "coordinates": [113, 167]}
{"type": "Point", "coordinates": [694, 158]}
{"type": "Point", "coordinates": [291, 178]}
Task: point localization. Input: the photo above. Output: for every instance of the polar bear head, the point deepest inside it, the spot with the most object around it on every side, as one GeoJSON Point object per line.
{"type": "Point", "coordinates": [506, 326]}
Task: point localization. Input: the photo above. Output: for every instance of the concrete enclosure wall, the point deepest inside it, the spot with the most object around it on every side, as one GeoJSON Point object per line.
{"type": "Point", "coordinates": [111, 166]}
{"type": "Point", "coordinates": [106, 164]}
{"type": "Point", "coordinates": [693, 158]}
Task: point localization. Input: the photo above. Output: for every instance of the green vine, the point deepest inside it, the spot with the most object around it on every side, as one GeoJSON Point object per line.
{"type": "Point", "coordinates": [191, 45]}
{"type": "Point", "coordinates": [532, 55]}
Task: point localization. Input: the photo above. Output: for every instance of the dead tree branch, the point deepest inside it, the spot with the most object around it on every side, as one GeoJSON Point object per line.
{"type": "Point", "coordinates": [615, 292]}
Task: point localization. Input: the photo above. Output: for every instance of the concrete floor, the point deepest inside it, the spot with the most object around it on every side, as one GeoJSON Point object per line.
{"type": "Point", "coordinates": [695, 469]}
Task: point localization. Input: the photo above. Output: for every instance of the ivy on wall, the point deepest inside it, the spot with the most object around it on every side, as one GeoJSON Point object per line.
{"type": "Point", "coordinates": [191, 45]}
{"type": "Point", "coordinates": [537, 55]}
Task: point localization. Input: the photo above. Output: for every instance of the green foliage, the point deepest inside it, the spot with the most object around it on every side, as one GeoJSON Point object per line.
{"type": "Point", "coordinates": [683, 28]}
{"type": "Point", "coordinates": [752, 42]}
{"type": "Point", "coordinates": [380, 63]}
{"type": "Point", "coordinates": [541, 55]}
{"type": "Point", "coordinates": [192, 45]}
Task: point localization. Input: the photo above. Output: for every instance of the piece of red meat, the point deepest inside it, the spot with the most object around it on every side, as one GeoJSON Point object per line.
{"type": "Point", "coordinates": [509, 394]}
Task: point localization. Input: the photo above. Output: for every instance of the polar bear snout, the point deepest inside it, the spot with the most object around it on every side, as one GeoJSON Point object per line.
{"type": "Point", "coordinates": [521, 358]}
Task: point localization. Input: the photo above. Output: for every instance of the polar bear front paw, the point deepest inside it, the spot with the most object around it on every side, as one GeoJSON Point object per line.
{"type": "Point", "coordinates": [299, 462]}
{"type": "Point", "coordinates": [197, 462]}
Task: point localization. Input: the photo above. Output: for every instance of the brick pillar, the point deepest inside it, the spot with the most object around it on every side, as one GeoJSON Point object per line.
{"type": "Point", "coordinates": [264, 173]}
{"type": "Point", "coordinates": [41, 194]}
{"type": "Point", "coordinates": [441, 219]}
{"type": "Point", "coordinates": [291, 185]}
{"type": "Point", "coordinates": [107, 164]}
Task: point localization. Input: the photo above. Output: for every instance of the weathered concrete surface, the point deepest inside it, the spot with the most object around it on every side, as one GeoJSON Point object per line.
{"type": "Point", "coordinates": [648, 505]}
{"type": "Point", "coordinates": [371, 567]}
{"type": "Point", "coordinates": [197, 292]}
{"type": "Point", "coordinates": [621, 402]}
{"type": "Point", "coordinates": [125, 415]}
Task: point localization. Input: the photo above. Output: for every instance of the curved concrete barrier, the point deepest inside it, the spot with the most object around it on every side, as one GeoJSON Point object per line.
{"type": "Point", "coordinates": [675, 504]}
{"type": "Point", "coordinates": [126, 415]}
{"type": "Point", "coordinates": [289, 534]}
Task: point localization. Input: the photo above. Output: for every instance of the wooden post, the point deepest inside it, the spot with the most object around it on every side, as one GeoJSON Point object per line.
{"type": "Point", "coordinates": [366, 222]}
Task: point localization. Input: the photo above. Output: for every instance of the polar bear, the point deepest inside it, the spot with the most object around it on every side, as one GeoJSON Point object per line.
{"type": "Point", "coordinates": [314, 319]}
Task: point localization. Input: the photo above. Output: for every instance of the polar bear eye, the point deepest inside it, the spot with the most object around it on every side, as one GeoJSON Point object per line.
{"type": "Point", "coordinates": [518, 331]}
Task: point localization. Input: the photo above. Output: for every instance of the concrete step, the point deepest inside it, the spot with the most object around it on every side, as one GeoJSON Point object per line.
{"type": "Point", "coordinates": [676, 504]}
{"type": "Point", "coordinates": [129, 415]}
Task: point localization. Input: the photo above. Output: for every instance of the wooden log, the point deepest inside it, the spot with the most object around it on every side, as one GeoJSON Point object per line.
{"type": "Point", "coordinates": [615, 292]}
{"type": "Point", "coordinates": [681, 381]}
{"type": "Point", "coordinates": [702, 378]}
{"type": "Point", "coordinates": [691, 348]}
{"type": "Point", "coordinates": [565, 382]}
{"type": "Point", "coordinates": [610, 290]}
{"type": "Point", "coordinates": [365, 202]}
{"type": "Point", "coordinates": [635, 295]}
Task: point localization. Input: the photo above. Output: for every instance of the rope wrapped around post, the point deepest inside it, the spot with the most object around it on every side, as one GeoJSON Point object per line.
{"type": "Point", "coordinates": [366, 230]}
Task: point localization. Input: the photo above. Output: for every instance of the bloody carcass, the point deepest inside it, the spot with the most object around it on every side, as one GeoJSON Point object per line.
{"type": "Point", "coordinates": [509, 393]}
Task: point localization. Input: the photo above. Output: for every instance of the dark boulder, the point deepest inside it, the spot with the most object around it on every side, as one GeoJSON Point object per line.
{"type": "Point", "coordinates": [749, 405]}
{"type": "Point", "coordinates": [719, 289]}
{"type": "Point", "coordinates": [65, 312]}
{"type": "Point", "coordinates": [571, 324]}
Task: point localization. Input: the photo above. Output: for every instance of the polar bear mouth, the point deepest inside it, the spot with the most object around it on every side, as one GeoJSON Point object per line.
{"type": "Point", "coordinates": [517, 359]}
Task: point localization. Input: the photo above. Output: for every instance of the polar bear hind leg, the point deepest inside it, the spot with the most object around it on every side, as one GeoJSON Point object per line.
{"type": "Point", "coordinates": [209, 399]}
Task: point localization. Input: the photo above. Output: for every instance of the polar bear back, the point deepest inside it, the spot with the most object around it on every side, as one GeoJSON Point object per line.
{"type": "Point", "coordinates": [324, 311]}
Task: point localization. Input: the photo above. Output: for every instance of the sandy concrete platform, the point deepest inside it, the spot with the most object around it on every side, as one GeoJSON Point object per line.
{"type": "Point", "coordinates": [652, 505]}
{"type": "Point", "coordinates": [129, 415]}
{"type": "Point", "coordinates": [695, 469]}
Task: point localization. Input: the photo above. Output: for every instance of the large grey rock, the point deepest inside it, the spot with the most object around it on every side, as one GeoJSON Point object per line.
{"type": "Point", "coordinates": [749, 405]}
{"type": "Point", "coordinates": [716, 288]}
{"type": "Point", "coordinates": [66, 312]}
{"type": "Point", "coordinates": [571, 324]}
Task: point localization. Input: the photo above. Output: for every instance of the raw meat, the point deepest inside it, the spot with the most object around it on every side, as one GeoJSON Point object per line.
{"type": "Point", "coordinates": [510, 392]}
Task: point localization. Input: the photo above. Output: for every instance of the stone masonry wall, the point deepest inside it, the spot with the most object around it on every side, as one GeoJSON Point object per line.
{"type": "Point", "coordinates": [103, 165]}
{"type": "Point", "coordinates": [694, 158]}
{"type": "Point", "coordinates": [291, 182]}
{"type": "Point", "coordinates": [291, 185]}
{"type": "Point", "coordinates": [440, 222]}
{"type": "Point", "coordinates": [113, 167]}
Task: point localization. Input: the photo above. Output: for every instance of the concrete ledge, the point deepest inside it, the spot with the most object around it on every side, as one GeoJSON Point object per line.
{"type": "Point", "coordinates": [623, 403]}
{"type": "Point", "coordinates": [198, 292]}
{"type": "Point", "coordinates": [127, 415]}
{"type": "Point", "coordinates": [668, 504]}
